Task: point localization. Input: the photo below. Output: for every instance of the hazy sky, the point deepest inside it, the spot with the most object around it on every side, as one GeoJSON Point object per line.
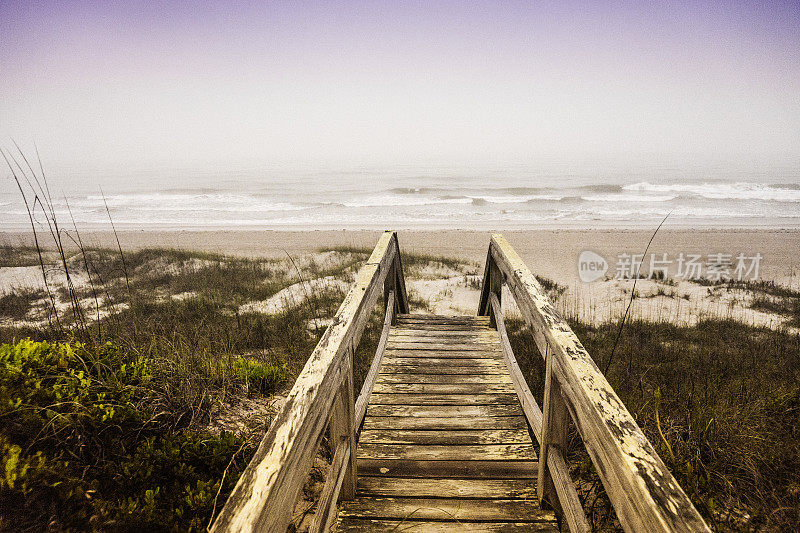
{"type": "Point", "coordinates": [115, 84]}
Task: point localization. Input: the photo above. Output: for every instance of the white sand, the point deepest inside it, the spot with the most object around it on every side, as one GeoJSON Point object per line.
{"type": "Point", "coordinates": [293, 295]}
{"type": "Point", "coordinates": [550, 253]}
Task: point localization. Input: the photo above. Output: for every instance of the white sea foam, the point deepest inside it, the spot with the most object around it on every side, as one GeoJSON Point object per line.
{"type": "Point", "coordinates": [723, 191]}
{"type": "Point", "coordinates": [404, 200]}
{"type": "Point", "coordinates": [187, 202]}
{"type": "Point", "coordinates": [626, 197]}
{"type": "Point", "coordinates": [517, 199]}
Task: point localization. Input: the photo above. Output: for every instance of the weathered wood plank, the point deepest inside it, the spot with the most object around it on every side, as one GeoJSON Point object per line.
{"type": "Point", "coordinates": [268, 488]}
{"type": "Point", "coordinates": [470, 319]}
{"type": "Point", "coordinates": [464, 379]}
{"type": "Point", "coordinates": [439, 325]}
{"type": "Point", "coordinates": [443, 378]}
{"type": "Point", "coordinates": [442, 354]}
{"type": "Point", "coordinates": [399, 282]}
{"type": "Point", "coordinates": [326, 506]}
{"type": "Point", "coordinates": [446, 487]}
{"type": "Point", "coordinates": [438, 452]}
{"type": "Point", "coordinates": [460, 346]}
{"type": "Point", "coordinates": [449, 333]}
{"type": "Point", "coordinates": [410, 368]}
{"type": "Point", "coordinates": [411, 525]}
{"type": "Point", "coordinates": [446, 327]}
{"type": "Point", "coordinates": [449, 469]}
{"type": "Point", "coordinates": [475, 422]}
{"type": "Point", "coordinates": [426, 436]}
{"type": "Point", "coordinates": [479, 343]}
{"type": "Point", "coordinates": [444, 399]}
{"type": "Point", "coordinates": [442, 388]}
{"type": "Point", "coordinates": [419, 330]}
{"type": "Point", "coordinates": [645, 495]}
{"type": "Point", "coordinates": [440, 411]}
{"type": "Point", "coordinates": [342, 426]}
{"type": "Point", "coordinates": [445, 509]}
{"type": "Point", "coordinates": [445, 361]}
{"type": "Point", "coordinates": [445, 336]}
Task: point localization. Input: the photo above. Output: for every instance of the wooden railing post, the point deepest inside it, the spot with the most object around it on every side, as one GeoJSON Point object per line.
{"type": "Point", "coordinates": [399, 283]}
{"type": "Point", "coordinates": [389, 287]}
{"type": "Point", "coordinates": [555, 432]}
{"type": "Point", "coordinates": [342, 432]}
{"type": "Point", "coordinates": [492, 284]}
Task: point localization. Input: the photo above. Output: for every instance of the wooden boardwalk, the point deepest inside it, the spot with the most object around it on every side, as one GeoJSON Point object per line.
{"type": "Point", "coordinates": [439, 437]}
{"type": "Point", "coordinates": [445, 444]}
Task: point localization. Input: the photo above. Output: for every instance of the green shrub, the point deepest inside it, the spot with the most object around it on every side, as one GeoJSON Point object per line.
{"type": "Point", "coordinates": [85, 445]}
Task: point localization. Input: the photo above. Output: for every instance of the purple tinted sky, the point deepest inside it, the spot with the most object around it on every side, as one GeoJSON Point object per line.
{"type": "Point", "coordinates": [109, 84]}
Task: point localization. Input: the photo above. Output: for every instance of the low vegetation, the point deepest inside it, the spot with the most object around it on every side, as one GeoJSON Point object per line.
{"type": "Point", "coordinates": [719, 401]}
{"type": "Point", "coordinates": [88, 443]}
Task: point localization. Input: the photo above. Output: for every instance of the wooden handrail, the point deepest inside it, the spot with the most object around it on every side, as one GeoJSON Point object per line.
{"type": "Point", "coordinates": [568, 502]}
{"type": "Point", "coordinates": [266, 492]}
{"type": "Point", "coordinates": [645, 495]}
{"type": "Point", "coordinates": [372, 374]}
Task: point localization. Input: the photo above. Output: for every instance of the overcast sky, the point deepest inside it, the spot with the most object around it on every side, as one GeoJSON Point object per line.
{"type": "Point", "coordinates": [119, 84]}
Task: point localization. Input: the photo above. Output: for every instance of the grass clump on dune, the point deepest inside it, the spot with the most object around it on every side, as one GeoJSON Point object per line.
{"type": "Point", "coordinates": [15, 305]}
{"type": "Point", "coordinates": [263, 376]}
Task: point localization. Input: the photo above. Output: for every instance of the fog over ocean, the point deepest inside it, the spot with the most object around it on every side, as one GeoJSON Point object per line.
{"type": "Point", "coordinates": [421, 197]}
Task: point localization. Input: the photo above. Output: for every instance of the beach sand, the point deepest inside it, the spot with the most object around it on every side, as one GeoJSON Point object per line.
{"type": "Point", "coordinates": [549, 253]}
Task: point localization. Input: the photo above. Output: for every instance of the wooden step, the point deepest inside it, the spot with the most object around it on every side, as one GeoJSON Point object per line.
{"type": "Point", "coordinates": [444, 399]}
{"type": "Point", "coordinates": [455, 437]}
{"type": "Point", "coordinates": [422, 368]}
{"type": "Point", "coordinates": [447, 423]}
{"type": "Point", "coordinates": [467, 332]}
{"type": "Point", "coordinates": [447, 487]}
{"type": "Point", "coordinates": [443, 388]}
{"type": "Point", "coordinates": [443, 354]}
{"type": "Point", "coordinates": [419, 344]}
{"type": "Point", "coordinates": [419, 468]}
{"type": "Point", "coordinates": [444, 378]}
{"type": "Point", "coordinates": [416, 526]}
{"type": "Point", "coordinates": [447, 452]}
{"type": "Point", "coordinates": [445, 509]}
{"type": "Point", "coordinates": [394, 359]}
{"type": "Point", "coordinates": [444, 411]}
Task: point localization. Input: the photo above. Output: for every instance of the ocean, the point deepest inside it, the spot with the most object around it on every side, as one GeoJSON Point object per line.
{"type": "Point", "coordinates": [411, 197]}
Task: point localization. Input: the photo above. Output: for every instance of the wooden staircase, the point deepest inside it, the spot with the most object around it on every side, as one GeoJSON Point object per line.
{"type": "Point", "coordinates": [439, 436]}
{"type": "Point", "coordinates": [445, 445]}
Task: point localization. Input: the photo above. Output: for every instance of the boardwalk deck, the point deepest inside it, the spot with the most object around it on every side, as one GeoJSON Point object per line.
{"type": "Point", "coordinates": [444, 445]}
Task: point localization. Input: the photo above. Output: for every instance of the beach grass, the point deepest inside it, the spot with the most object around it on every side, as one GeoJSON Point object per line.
{"type": "Point", "coordinates": [719, 401]}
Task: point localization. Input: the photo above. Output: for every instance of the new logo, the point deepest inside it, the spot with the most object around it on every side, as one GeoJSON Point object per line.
{"type": "Point", "coordinates": [591, 266]}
